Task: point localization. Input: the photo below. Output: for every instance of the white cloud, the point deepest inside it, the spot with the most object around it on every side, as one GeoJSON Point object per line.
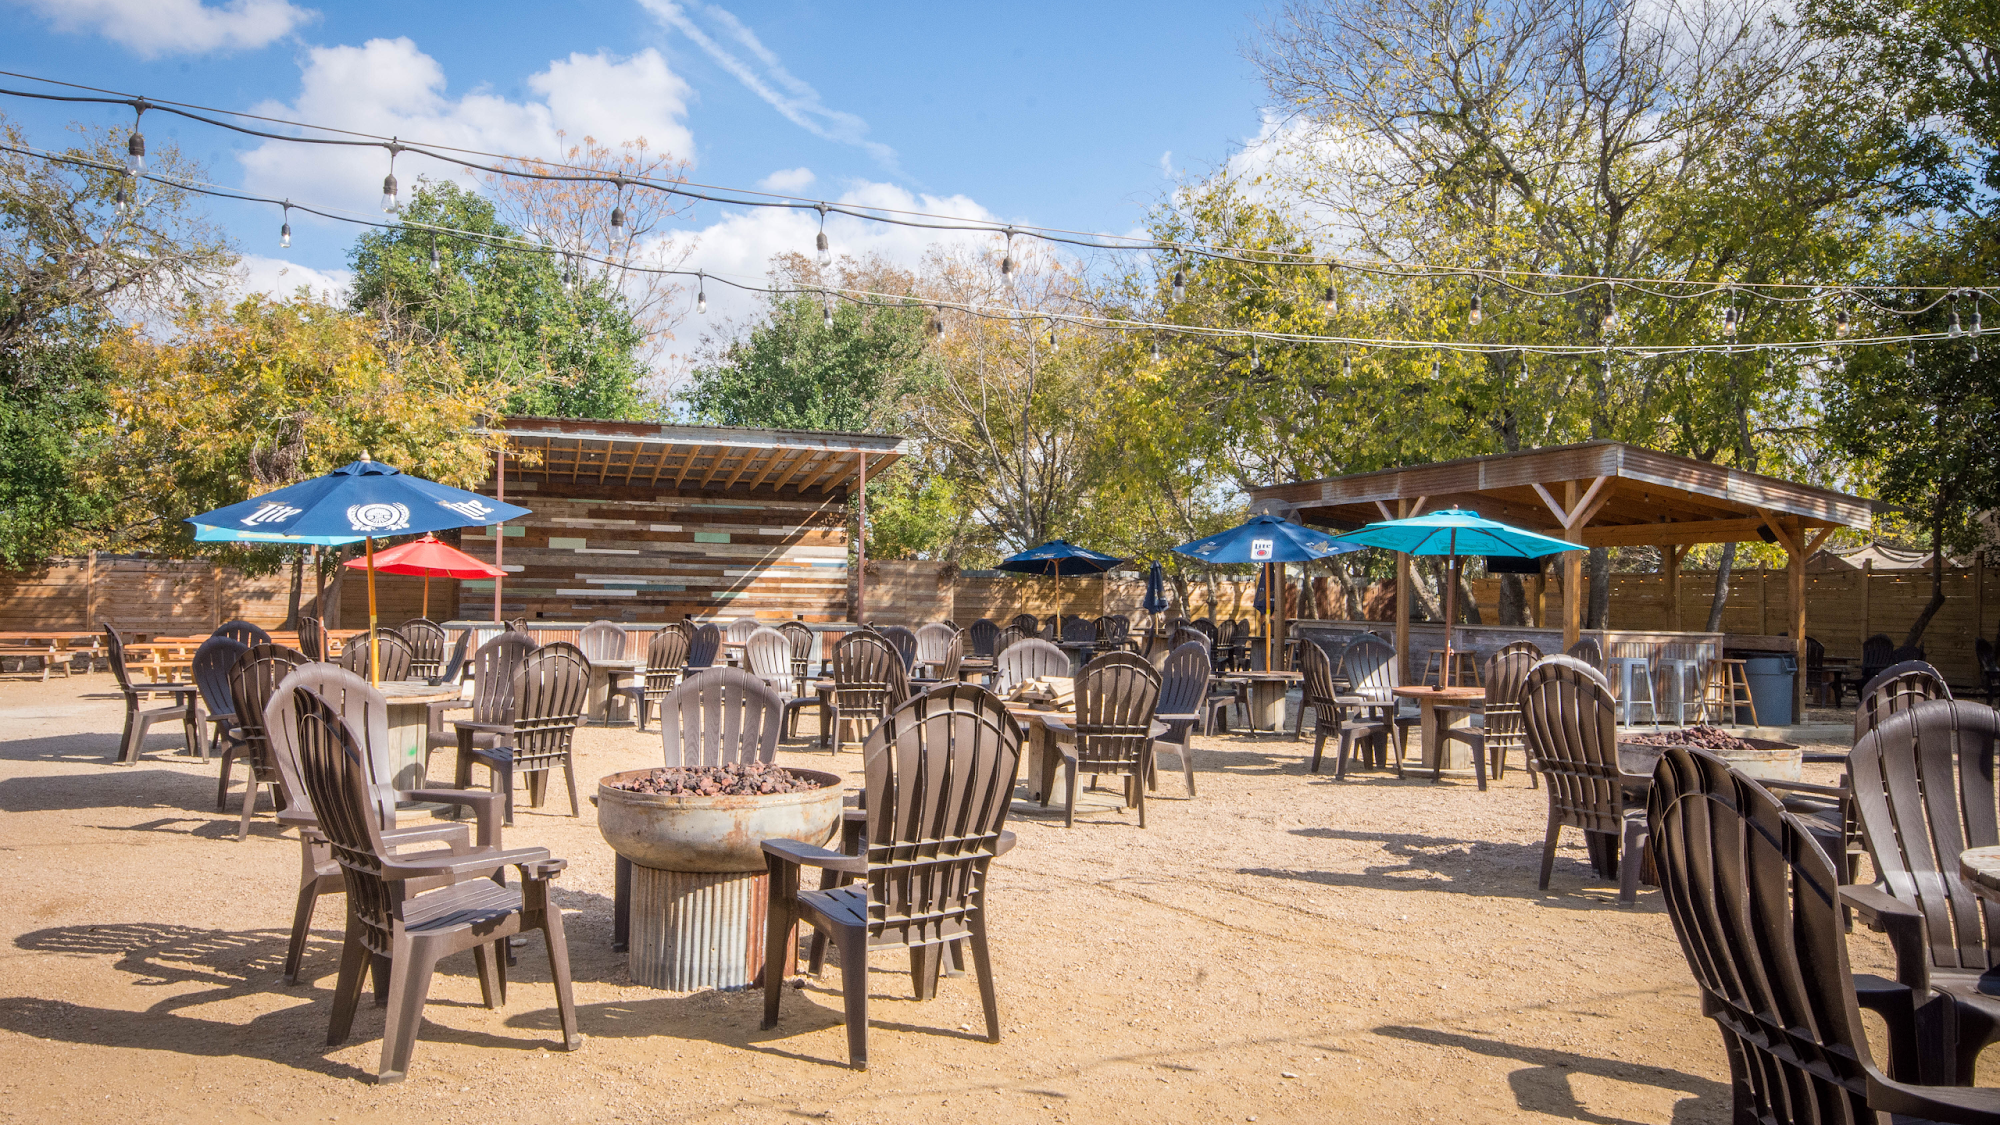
{"type": "Point", "coordinates": [389, 87]}
{"type": "Point", "coordinates": [788, 181]}
{"type": "Point", "coordinates": [149, 28]}
{"type": "Point", "coordinates": [280, 278]}
{"type": "Point", "coordinates": [764, 74]}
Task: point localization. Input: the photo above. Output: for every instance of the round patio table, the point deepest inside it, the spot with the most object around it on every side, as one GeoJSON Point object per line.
{"type": "Point", "coordinates": [1043, 729]}
{"type": "Point", "coordinates": [1979, 870]}
{"type": "Point", "coordinates": [408, 716]}
{"type": "Point", "coordinates": [1428, 699]}
{"type": "Point", "coordinates": [1266, 693]}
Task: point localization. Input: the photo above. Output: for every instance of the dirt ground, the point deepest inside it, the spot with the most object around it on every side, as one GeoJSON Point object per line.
{"type": "Point", "coordinates": [1283, 947]}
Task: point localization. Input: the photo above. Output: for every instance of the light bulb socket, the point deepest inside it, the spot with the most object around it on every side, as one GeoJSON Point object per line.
{"type": "Point", "coordinates": [1180, 285]}
{"type": "Point", "coordinates": [825, 253]}
{"type": "Point", "coordinates": [135, 153]}
{"type": "Point", "coordinates": [618, 218]}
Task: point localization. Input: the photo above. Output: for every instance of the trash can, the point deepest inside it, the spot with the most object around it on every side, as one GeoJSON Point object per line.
{"type": "Point", "coordinates": [1772, 687]}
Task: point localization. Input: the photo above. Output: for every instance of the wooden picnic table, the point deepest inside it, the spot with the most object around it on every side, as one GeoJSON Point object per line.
{"type": "Point", "coordinates": [53, 647]}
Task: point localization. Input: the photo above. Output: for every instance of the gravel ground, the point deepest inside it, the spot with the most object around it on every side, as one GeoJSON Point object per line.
{"type": "Point", "coordinates": [1284, 947]}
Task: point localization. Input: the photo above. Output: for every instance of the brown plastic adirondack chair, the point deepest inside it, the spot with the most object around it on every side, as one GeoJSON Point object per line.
{"type": "Point", "coordinates": [138, 719]}
{"type": "Point", "coordinates": [939, 777]}
{"type": "Point", "coordinates": [1877, 653]}
{"type": "Point", "coordinates": [1589, 651]}
{"type": "Point", "coordinates": [1117, 695]}
{"type": "Point", "coordinates": [1372, 671]}
{"type": "Point", "coordinates": [312, 638]}
{"type": "Point", "coordinates": [397, 658]}
{"type": "Point", "coordinates": [1895, 689]}
{"type": "Point", "coordinates": [932, 640]}
{"type": "Point", "coordinates": [1533, 650]}
{"type": "Point", "coordinates": [242, 632]}
{"type": "Point", "coordinates": [1009, 637]}
{"type": "Point", "coordinates": [982, 639]}
{"type": "Point", "coordinates": [903, 640]}
{"type": "Point", "coordinates": [602, 640]}
{"type": "Point", "coordinates": [1029, 659]}
{"type": "Point", "coordinates": [1317, 694]}
{"type": "Point", "coordinates": [1499, 728]}
{"type": "Point", "coordinates": [1756, 906]}
{"type": "Point", "coordinates": [251, 682]}
{"type": "Point", "coordinates": [1027, 623]}
{"type": "Point", "coordinates": [454, 669]}
{"type": "Point", "coordinates": [365, 712]}
{"type": "Point", "coordinates": [666, 659]}
{"type": "Point", "coordinates": [868, 682]}
{"type": "Point", "coordinates": [716, 717]}
{"type": "Point", "coordinates": [426, 639]}
{"type": "Point", "coordinates": [1924, 787]}
{"type": "Point", "coordinates": [944, 669]}
{"type": "Point", "coordinates": [803, 643]}
{"type": "Point", "coordinates": [704, 647]}
{"type": "Point", "coordinates": [210, 670]}
{"type": "Point", "coordinates": [549, 690]}
{"type": "Point", "coordinates": [768, 656]}
{"type": "Point", "coordinates": [493, 668]}
{"type": "Point", "coordinates": [412, 932]}
{"type": "Point", "coordinates": [1184, 704]}
{"type": "Point", "coordinates": [1571, 720]}
{"type": "Point", "coordinates": [740, 629]}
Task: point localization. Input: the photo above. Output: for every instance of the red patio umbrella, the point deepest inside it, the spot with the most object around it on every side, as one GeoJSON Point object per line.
{"type": "Point", "coordinates": [428, 558]}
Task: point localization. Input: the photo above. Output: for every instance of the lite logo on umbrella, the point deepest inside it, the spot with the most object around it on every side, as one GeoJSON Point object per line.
{"type": "Point", "coordinates": [271, 513]}
{"type": "Point", "coordinates": [1260, 549]}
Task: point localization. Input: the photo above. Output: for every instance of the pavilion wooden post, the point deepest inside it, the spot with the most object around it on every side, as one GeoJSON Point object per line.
{"type": "Point", "coordinates": [1674, 557]}
{"type": "Point", "coordinates": [499, 529]}
{"type": "Point", "coordinates": [861, 546]}
{"type": "Point", "coordinates": [1572, 571]}
{"type": "Point", "coordinates": [1404, 509]}
{"type": "Point", "coordinates": [1799, 546]}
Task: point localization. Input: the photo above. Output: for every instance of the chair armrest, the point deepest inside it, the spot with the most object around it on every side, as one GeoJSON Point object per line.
{"type": "Point", "coordinates": [809, 855]}
{"type": "Point", "coordinates": [453, 834]}
{"type": "Point", "coordinates": [1835, 791]}
{"type": "Point", "coordinates": [1956, 1105]}
{"type": "Point", "coordinates": [1904, 925]}
{"type": "Point", "coordinates": [1006, 842]}
{"type": "Point", "coordinates": [1176, 718]}
{"type": "Point", "coordinates": [483, 728]}
{"type": "Point", "coordinates": [1468, 708]}
{"type": "Point", "coordinates": [487, 806]}
{"type": "Point", "coordinates": [478, 863]}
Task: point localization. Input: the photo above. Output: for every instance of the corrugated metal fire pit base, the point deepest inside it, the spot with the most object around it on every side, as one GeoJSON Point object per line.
{"type": "Point", "coordinates": [696, 930]}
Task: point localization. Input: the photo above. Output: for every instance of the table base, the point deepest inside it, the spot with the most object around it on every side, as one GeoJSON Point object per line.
{"type": "Point", "coordinates": [698, 929]}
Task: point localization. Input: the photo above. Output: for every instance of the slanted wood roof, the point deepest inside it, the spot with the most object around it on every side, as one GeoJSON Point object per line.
{"type": "Point", "coordinates": [679, 458]}
{"type": "Point", "coordinates": [1621, 495]}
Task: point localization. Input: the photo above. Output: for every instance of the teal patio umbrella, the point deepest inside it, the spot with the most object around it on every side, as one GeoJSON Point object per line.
{"type": "Point", "coordinates": [1455, 533]}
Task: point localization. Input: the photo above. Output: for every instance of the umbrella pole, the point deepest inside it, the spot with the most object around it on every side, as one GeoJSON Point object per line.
{"type": "Point", "coordinates": [374, 648]}
{"type": "Point", "coordinates": [427, 597]}
{"type": "Point", "coordinates": [1450, 614]}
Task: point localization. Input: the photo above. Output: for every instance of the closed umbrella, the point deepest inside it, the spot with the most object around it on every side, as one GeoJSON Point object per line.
{"type": "Point", "coordinates": [355, 503]}
{"type": "Point", "coordinates": [1455, 533]}
{"type": "Point", "coordinates": [1058, 559]}
{"type": "Point", "coordinates": [428, 558]}
{"type": "Point", "coordinates": [1270, 541]}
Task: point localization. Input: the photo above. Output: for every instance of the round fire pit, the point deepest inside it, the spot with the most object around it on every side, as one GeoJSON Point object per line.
{"type": "Point", "coordinates": [699, 884]}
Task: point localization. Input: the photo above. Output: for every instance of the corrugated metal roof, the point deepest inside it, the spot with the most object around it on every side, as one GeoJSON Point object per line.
{"type": "Point", "coordinates": [709, 458]}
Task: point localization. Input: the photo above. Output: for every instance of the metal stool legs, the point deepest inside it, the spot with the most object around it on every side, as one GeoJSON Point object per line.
{"type": "Point", "coordinates": [1637, 673]}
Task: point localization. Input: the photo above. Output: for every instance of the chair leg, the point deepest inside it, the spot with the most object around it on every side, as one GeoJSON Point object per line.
{"type": "Point", "coordinates": [1632, 860]}
{"type": "Point", "coordinates": [484, 958]}
{"type": "Point", "coordinates": [354, 962]}
{"type": "Point", "coordinates": [409, 984]}
{"type": "Point", "coordinates": [1340, 763]}
{"type": "Point", "coordinates": [1319, 745]}
{"type": "Point", "coordinates": [558, 944]}
{"type": "Point", "coordinates": [1478, 762]}
{"type": "Point", "coordinates": [1402, 745]}
{"type": "Point", "coordinates": [854, 992]}
{"type": "Point", "coordinates": [1069, 817]}
{"type": "Point", "coordinates": [1139, 798]}
{"type": "Point", "coordinates": [621, 905]}
{"type": "Point", "coordinates": [249, 806]}
{"type": "Point", "coordinates": [988, 998]}
{"type": "Point", "coordinates": [1187, 760]}
{"type": "Point", "coordinates": [780, 920]}
{"type": "Point", "coordinates": [569, 777]}
{"type": "Point", "coordinates": [1549, 849]}
{"type": "Point", "coordinates": [222, 785]}
{"type": "Point", "coordinates": [925, 960]}
{"type": "Point", "coordinates": [302, 916]}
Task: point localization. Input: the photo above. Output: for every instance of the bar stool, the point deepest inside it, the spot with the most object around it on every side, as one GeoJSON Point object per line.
{"type": "Point", "coordinates": [1468, 673]}
{"type": "Point", "coordinates": [1678, 671]}
{"type": "Point", "coordinates": [1726, 689]}
{"type": "Point", "coordinates": [1636, 672]}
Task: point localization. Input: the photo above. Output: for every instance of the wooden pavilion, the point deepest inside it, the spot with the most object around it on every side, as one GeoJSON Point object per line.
{"type": "Point", "coordinates": [1599, 494]}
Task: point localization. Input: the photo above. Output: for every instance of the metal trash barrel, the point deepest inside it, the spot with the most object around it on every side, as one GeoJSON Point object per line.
{"type": "Point", "coordinates": [1771, 685]}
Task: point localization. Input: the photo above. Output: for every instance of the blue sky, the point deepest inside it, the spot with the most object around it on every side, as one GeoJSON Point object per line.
{"type": "Point", "coordinates": [1066, 115]}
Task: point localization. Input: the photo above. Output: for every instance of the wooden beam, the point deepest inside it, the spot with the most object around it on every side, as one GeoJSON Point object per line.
{"type": "Point", "coordinates": [1403, 510]}
{"type": "Point", "coordinates": [1676, 534]}
{"type": "Point", "coordinates": [1785, 535]}
{"type": "Point", "coordinates": [1673, 556]}
{"type": "Point", "coordinates": [1572, 564]}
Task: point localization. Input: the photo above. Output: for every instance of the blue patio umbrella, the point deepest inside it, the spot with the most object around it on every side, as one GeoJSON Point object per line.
{"type": "Point", "coordinates": [357, 502]}
{"type": "Point", "coordinates": [1059, 559]}
{"type": "Point", "coordinates": [1267, 539]}
{"type": "Point", "coordinates": [1155, 601]}
{"type": "Point", "coordinates": [1455, 533]}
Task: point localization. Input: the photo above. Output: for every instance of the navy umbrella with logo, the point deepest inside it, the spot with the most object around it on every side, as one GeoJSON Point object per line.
{"type": "Point", "coordinates": [358, 502]}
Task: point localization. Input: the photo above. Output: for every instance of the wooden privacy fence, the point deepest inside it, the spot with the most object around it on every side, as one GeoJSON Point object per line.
{"type": "Point", "coordinates": [185, 596]}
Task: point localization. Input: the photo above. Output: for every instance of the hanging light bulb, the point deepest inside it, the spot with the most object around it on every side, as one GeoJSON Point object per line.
{"type": "Point", "coordinates": [701, 293]}
{"type": "Point", "coordinates": [1840, 324]}
{"type": "Point", "coordinates": [1347, 367]}
{"type": "Point", "coordinates": [827, 319]}
{"type": "Point", "coordinates": [1434, 369]}
{"type": "Point", "coordinates": [820, 244]}
{"type": "Point", "coordinates": [617, 221]}
{"type": "Point", "coordinates": [435, 264]}
{"type": "Point", "coordinates": [1477, 313]}
{"type": "Point", "coordinates": [937, 323]}
{"type": "Point", "coordinates": [1978, 325]}
{"type": "Point", "coordinates": [135, 148]}
{"type": "Point", "coordinates": [1055, 345]}
{"type": "Point", "coordinates": [390, 204]}
{"type": "Point", "coordinates": [1180, 286]}
{"type": "Point", "coordinates": [1955, 329]}
{"type": "Point", "coordinates": [1729, 321]}
{"type": "Point", "coordinates": [1910, 357]}
{"type": "Point", "coordinates": [285, 235]}
{"type": "Point", "coordinates": [1330, 301]}
{"type": "Point", "coordinates": [1256, 361]}
{"type": "Point", "coordinates": [120, 202]}
{"type": "Point", "coordinates": [1610, 322]}
{"type": "Point", "coordinates": [1156, 351]}
{"type": "Point", "coordinates": [1007, 256]}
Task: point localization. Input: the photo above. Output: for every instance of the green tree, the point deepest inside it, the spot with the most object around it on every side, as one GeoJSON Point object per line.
{"type": "Point", "coordinates": [558, 331]}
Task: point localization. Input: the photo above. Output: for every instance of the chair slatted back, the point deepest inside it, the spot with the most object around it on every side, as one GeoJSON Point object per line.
{"type": "Point", "coordinates": [721, 716]}
{"type": "Point", "coordinates": [1533, 650]}
{"type": "Point", "coordinates": [1897, 688]}
{"type": "Point", "coordinates": [866, 671]}
{"type": "Point", "coordinates": [312, 637]}
{"type": "Point", "coordinates": [454, 669]}
{"type": "Point", "coordinates": [212, 663]}
{"type": "Point", "coordinates": [932, 641]}
{"type": "Point", "coordinates": [954, 655]}
{"type": "Point", "coordinates": [768, 655]}
{"type": "Point", "coordinates": [602, 640]}
{"type": "Point", "coordinates": [1877, 653]}
{"type": "Point", "coordinates": [550, 687]}
{"type": "Point", "coordinates": [1116, 696]}
{"type": "Point", "coordinates": [114, 655]}
{"type": "Point", "coordinates": [1755, 903]}
{"type": "Point", "coordinates": [1506, 678]}
{"type": "Point", "coordinates": [360, 706]}
{"type": "Point", "coordinates": [666, 658]}
{"type": "Point", "coordinates": [939, 777]}
{"type": "Point", "coordinates": [1187, 634]}
{"type": "Point", "coordinates": [802, 648]}
{"type": "Point", "coordinates": [335, 770]}
{"type": "Point", "coordinates": [427, 639]}
{"type": "Point", "coordinates": [704, 646]}
{"type": "Point", "coordinates": [1923, 783]}
{"type": "Point", "coordinates": [1184, 680]}
{"type": "Point", "coordinates": [1589, 651]}
{"type": "Point", "coordinates": [242, 632]}
{"type": "Point", "coordinates": [1369, 666]}
{"type": "Point", "coordinates": [983, 637]}
{"type": "Point", "coordinates": [903, 641]}
{"type": "Point", "coordinates": [1027, 623]}
{"type": "Point", "coordinates": [396, 657]}
{"type": "Point", "coordinates": [1317, 689]}
{"type": "Point", "coordinates": [1571, 721]}
{"type": "Point", "coordinates": [252, 681]}
{"type": "Point", "coordinates": [1030, 659]}
{"type": "Point", "coordinates": [740, 629]}
{"type": "Point", "coordinates": [1009, 637]}
{"type": "Point", "coordinates": [493, 668]}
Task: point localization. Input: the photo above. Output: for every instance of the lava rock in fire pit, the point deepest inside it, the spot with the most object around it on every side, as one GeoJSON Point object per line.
{"type": "Point", "coordinates": [1703, 737]}
{"type": "Point", "coordinates": [732, 779]}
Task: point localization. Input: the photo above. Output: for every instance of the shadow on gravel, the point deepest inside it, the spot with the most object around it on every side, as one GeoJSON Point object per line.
{"type": "Point", "coordinates": [1543, 1084]}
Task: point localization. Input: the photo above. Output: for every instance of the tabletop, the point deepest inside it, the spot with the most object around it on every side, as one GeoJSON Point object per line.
{"type": "Point", "coordinates": [1980, 869]}
{"type": "Point", "coordinates": [619, 665]}
{"type": "Point", "coordinates": [1251, 677]}
{"type": "Point", "coordinates": [1425, 691]}
{"type": "Point", "coordinates": [402, 693]}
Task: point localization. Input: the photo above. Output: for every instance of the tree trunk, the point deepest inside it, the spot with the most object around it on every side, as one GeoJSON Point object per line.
{"type": "Point", "coordinates": [1600, 588]}
{"type": "Point", "coordinates": [330, 605]}
{"type": "Point", "coordinates": [1721, 601]}
{"type": "Point", "coordinates": [1468, 608]}
{"type": "Point", "coordinates": [1513, 600]}
{"type": "Point", "coordinates": [298, 585]}
{"type": "Point", "coordinates": [1937, 586]}
{"type": "Point", "coordinates": [1350, 590]}
{"type": "Point", "coordinates": [1424, 592]}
